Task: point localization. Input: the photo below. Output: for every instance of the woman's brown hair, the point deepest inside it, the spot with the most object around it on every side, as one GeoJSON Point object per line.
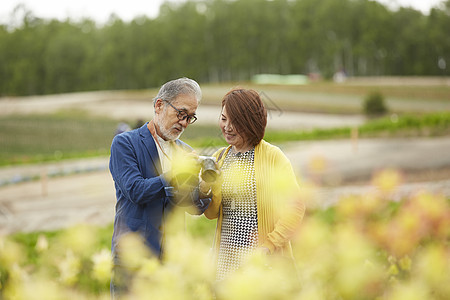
{"type": "Point", "coordinates": [247, 114]}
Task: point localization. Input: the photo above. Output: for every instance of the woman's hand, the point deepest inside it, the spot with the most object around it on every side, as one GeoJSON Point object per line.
{"type": "Point", "coordinates": [205, 187]}
{"type": "Point", "coordinates": [263, 250]}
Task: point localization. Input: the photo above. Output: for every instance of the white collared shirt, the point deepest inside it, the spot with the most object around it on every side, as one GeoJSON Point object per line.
{"type": "Point", "coordinates": [165, 154]}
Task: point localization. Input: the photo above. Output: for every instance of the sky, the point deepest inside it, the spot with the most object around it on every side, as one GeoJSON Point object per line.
{"type": "Point", "coordinates": [100, 10]}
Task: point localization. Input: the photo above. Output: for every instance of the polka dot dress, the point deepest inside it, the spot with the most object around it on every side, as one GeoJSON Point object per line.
{"type": "Point", "coordinates": [239, 235]}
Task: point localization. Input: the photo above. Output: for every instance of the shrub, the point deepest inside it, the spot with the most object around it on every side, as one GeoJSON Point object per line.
{"type": "Point", "coordinates": [374, 104]}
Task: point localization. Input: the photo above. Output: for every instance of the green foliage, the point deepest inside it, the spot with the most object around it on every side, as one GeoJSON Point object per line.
{"type": "Point", "coordinates": [214, 41]}
{"type": "Point", "coordinates": [200, 227]}
{"type": "Point", "coordinates": [364, 247]}
{"type": "Point", "coordinates": [70, 257]}
{"type": "Point", "coordinates": [374, 105]}
{"type": "Point", "coordinates": [408, 125]}
{"type": "Point", "coordinates": [435, 124]}
{"type": "Point", "coordinates": [394, 126]}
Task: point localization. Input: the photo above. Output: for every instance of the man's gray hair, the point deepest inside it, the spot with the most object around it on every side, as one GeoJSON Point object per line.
{"type": "Point", "coordinates": [181, 86]}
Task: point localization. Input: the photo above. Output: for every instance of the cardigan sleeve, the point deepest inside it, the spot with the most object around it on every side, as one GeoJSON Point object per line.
{"type": "Point", "coordinates": [289, 207]}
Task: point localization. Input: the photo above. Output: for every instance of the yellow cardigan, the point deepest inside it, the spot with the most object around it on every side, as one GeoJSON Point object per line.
{"type": "Point", "coordinates": [280, 210]}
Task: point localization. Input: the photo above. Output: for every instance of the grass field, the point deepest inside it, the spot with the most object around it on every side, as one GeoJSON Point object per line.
{"type": "Point", "coordinates": [402, 96]}
{"type": "Point", "coordinates": [417, 109]}
{"type": "Point", "coordinates": [37, 138]}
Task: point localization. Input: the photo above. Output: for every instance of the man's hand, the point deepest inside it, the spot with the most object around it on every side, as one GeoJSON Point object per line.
{"type": "Point", "coordinates": [185, 170]}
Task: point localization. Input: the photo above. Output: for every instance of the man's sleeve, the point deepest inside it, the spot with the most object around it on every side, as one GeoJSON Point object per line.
{"type": "Point", "coordinates": [125, 171]}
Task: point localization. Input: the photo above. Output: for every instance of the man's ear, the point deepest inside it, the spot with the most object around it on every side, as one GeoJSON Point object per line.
{"type": "Point", "coordinates": [159, 105]}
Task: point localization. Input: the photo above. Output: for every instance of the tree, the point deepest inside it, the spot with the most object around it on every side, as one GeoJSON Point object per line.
{"type": "Point", "coordinates": [221, 40]}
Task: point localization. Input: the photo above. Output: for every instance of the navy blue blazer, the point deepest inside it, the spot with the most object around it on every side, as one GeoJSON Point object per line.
{"type": "Point", "coordinates": [143, 197]}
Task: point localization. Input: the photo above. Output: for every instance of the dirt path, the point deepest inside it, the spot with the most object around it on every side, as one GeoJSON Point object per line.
{"type": "Point", "coordinates": [347, 160]}
{"type": "Point", "coordinates": [84, 191]}
{"type": "Point", "coordinates": [65, 201]}
{"type": "Point", "coordinates": [76, 191]}
{"type": "Point", "coordinates": [89, 198]}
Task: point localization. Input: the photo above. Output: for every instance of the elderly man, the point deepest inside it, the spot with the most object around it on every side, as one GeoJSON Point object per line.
{"type": "Point", "coordinates": [141, 165]}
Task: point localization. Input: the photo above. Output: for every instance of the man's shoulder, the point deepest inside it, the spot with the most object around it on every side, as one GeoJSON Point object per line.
{"type": "Point", "coordinates": [129, 137]}
{"type": "Point", "coordinates": [184, 145]}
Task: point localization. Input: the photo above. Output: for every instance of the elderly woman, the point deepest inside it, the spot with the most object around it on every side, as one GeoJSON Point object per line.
{"type": "Point", "coordinates": [256, 198]}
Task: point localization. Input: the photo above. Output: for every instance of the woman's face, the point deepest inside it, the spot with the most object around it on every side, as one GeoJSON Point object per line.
{"type": "Point", "coordinates": [229, 133]}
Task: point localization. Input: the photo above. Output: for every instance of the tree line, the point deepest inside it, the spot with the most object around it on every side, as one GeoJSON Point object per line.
{"type": "Point", "coordinates": [221, 40]}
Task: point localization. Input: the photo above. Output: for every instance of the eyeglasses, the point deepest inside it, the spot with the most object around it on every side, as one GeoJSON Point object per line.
{"type": "Point", "coordinates": [182, 115]}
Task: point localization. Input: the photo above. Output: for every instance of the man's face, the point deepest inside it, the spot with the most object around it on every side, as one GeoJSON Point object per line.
{"type": "Point", "coordinates": [166, 117]}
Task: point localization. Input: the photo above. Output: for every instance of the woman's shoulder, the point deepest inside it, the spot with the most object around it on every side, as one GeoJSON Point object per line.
{"type": "Point", "coordinates": [221, 153]}
{"type": "Point", "coordinates": [268, 148]}
{"type": "Point", "coordinates": [270, 152]}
